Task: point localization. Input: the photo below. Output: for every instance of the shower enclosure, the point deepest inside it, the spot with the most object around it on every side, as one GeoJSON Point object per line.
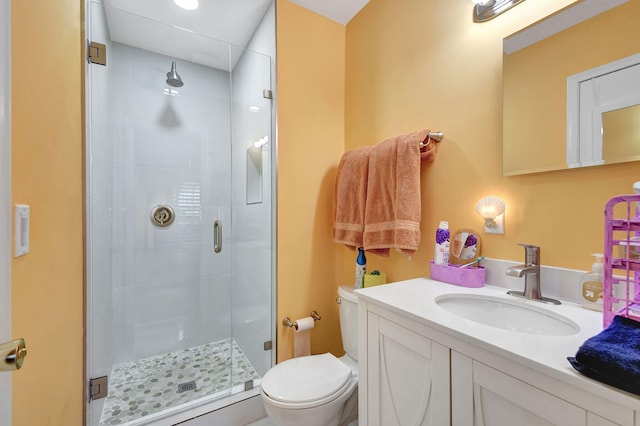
{"type": "Point", "coordinates": [180, 223]}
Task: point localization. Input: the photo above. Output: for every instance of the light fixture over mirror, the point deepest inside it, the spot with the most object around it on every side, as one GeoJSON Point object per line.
{"type": "Point", "coordinates": [485, 10]}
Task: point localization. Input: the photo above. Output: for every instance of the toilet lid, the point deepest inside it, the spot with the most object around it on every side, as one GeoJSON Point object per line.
{"type": "Point", "coordinates": [306, 379]}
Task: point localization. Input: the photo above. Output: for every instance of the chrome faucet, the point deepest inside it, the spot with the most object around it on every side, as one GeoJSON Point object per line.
{"type": "Point", "coordinates": [531, 272]}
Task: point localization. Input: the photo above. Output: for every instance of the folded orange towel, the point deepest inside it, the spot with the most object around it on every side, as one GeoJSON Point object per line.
{"type": "Point", "coordinates": [393, 207]}
{"type": "Point", "coordinates": [349, 197]}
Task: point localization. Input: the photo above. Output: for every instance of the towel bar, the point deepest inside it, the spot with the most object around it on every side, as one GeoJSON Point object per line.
{"type": "Point", "coordinates": [432, 136]}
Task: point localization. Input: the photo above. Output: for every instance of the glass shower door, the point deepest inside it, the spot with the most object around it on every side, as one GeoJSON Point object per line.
{"type": "Point", "coordinates": [176, 315]}
{"type": "Point", "coordinates": [252, 211]}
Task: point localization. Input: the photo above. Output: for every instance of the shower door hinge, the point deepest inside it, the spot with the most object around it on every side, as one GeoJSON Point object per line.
{"type": "Point", "coordinates": [267, 94]}
{"type": "Point", "coordinates": [268, 345]}
{"type": "Point", "coordinates": [97, 53]}
{"type": "Point", "coordinates": [98, 387]}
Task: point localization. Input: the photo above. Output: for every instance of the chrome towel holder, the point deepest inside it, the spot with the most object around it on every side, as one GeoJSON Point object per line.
{"type": "Point", "coordinates": [432, 136]}
{"type": "Point", "coordinates": [286, 321]}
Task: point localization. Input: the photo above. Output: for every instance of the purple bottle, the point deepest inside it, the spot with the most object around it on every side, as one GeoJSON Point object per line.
{"type": "Point", "coordinates": [442, 244]}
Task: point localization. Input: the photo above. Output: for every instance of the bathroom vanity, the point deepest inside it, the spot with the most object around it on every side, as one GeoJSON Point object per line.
{"type": "Point", "coordinates": [423, 363]}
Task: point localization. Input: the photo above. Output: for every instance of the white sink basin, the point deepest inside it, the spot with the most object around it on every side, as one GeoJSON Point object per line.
{"type": "Point", "coordinates": [507, 314]}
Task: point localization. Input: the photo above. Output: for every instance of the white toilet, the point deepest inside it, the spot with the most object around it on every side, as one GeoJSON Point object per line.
{"type": "Point", "coordinates": [318, 390]}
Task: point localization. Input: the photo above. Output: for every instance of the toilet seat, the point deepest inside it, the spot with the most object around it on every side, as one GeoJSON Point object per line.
{"type": "Point", "coordinates": [307, 381]}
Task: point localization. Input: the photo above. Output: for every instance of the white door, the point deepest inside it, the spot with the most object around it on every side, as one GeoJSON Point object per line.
{"type": "Point", "coordinates": [5, 200]}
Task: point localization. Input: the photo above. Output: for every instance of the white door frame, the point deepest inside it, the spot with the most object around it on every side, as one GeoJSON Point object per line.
{"type": "Point", "coordinates": [5, 200]}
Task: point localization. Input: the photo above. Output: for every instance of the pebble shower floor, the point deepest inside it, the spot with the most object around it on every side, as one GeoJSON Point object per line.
{"type": "Point", "coordinates": [149, 385]}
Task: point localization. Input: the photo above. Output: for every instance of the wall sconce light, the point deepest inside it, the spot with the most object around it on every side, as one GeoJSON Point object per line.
{"type": "Point", "coordinates": [492, 211]}
{"type": "Point", "coordinates": [484, 10]}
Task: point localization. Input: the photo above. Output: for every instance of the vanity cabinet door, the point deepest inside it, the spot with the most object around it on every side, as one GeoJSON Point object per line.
{"type": "Point", "coordinates": [486, 397]}
{"type": "Point", "coordinates": [595, 420]}
{"type": "Point", "coordinates": [408, 376]}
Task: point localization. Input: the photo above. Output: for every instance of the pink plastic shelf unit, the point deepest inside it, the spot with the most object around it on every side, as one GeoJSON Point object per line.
{"type": "Point", "coordinates": [621, 281]}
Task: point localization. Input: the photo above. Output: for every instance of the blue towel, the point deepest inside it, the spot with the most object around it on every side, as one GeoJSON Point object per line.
{"type": "Point", "coordinates": [613, 356]}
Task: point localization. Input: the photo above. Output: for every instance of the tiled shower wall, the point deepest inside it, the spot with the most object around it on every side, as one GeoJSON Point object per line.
{"type": "Point", "coordinates": [171, 146]}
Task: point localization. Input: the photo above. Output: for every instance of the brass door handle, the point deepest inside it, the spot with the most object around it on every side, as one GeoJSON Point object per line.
{"type": "Point", "coordinates": [12, 355]}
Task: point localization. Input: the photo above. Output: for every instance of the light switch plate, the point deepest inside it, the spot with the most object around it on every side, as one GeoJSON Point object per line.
{"type": "Point", "coordinates": [21, 220]}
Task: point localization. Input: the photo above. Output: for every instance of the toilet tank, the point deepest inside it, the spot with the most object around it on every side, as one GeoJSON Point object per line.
{"type": "Point", "coordinates": [348, 305]}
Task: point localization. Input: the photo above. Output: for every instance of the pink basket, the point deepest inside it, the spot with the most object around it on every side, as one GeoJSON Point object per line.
{"type": "Point", "coordinates": [453, 274]}
{"type": "Point", "coordinates": [621, 279]}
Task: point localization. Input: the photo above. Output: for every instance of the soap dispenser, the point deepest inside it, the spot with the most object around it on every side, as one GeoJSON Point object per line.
{"type": "Point", "coordinates": [591, 284]}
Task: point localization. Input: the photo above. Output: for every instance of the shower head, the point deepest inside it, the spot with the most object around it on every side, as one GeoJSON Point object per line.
{"type": "Point", "coordinates": [173, 79]}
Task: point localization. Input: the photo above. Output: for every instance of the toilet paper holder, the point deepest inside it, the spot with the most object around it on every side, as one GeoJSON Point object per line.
{"type": "Point", "coordinates": [286, 321]}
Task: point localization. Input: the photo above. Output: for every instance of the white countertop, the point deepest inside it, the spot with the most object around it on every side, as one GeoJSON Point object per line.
{"type": "Point", "coordinates": [416, 299]}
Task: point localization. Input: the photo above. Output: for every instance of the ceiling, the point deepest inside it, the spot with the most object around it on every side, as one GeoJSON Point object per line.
{"type": "Point", "coordinates": [338, 10]}
{"type": "Point", "coordinates": [203, 35]}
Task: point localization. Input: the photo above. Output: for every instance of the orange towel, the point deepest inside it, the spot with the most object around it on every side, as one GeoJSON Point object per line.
{"type": "Point", "coordinates": [393, 207]}
{"type": "Point", "coordinates": [349, 197]}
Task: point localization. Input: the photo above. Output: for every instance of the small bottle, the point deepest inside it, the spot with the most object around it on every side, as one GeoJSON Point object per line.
{"type": "Point", "coordinates": [361, 267]}
{"type": "Point", "coordinates": [442, 244]}
{"type": "Point", "coordinates": [591, 285]}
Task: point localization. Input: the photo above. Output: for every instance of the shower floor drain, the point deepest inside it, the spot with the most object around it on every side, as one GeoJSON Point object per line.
{"type": "Point", "coordinates": [187, 386]}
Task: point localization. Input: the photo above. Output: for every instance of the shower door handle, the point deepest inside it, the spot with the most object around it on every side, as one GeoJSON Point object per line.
{"type": "Point", "coordinates": [217, 236]}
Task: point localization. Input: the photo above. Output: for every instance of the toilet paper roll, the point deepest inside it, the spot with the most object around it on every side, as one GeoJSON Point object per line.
{"type": "Point", "coordinates": [306, 323]}
{"type": "Point", "coordinates": [301, 338]}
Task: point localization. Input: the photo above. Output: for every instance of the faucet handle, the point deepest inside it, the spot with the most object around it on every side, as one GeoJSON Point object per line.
{"type": "Point", "coordinates": [532, 254]}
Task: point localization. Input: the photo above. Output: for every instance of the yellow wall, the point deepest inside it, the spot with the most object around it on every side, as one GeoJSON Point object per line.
{"type": "Point", "coordinates": [47, 159]}
{"type": "Point", "coordinates": [417, 63]}
{"type": "Point", "coordinates": [310, 67]}
{"type": "Point", "coordinates": [407, 66]}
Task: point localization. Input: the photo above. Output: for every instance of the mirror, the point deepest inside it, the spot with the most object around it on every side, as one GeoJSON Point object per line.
{"type": "Point", "coordinates": [537, 63]}
{"type": "Point", "coordinates": [622, 122]}
{"type": "Point", "coordinates": [465, 247]}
